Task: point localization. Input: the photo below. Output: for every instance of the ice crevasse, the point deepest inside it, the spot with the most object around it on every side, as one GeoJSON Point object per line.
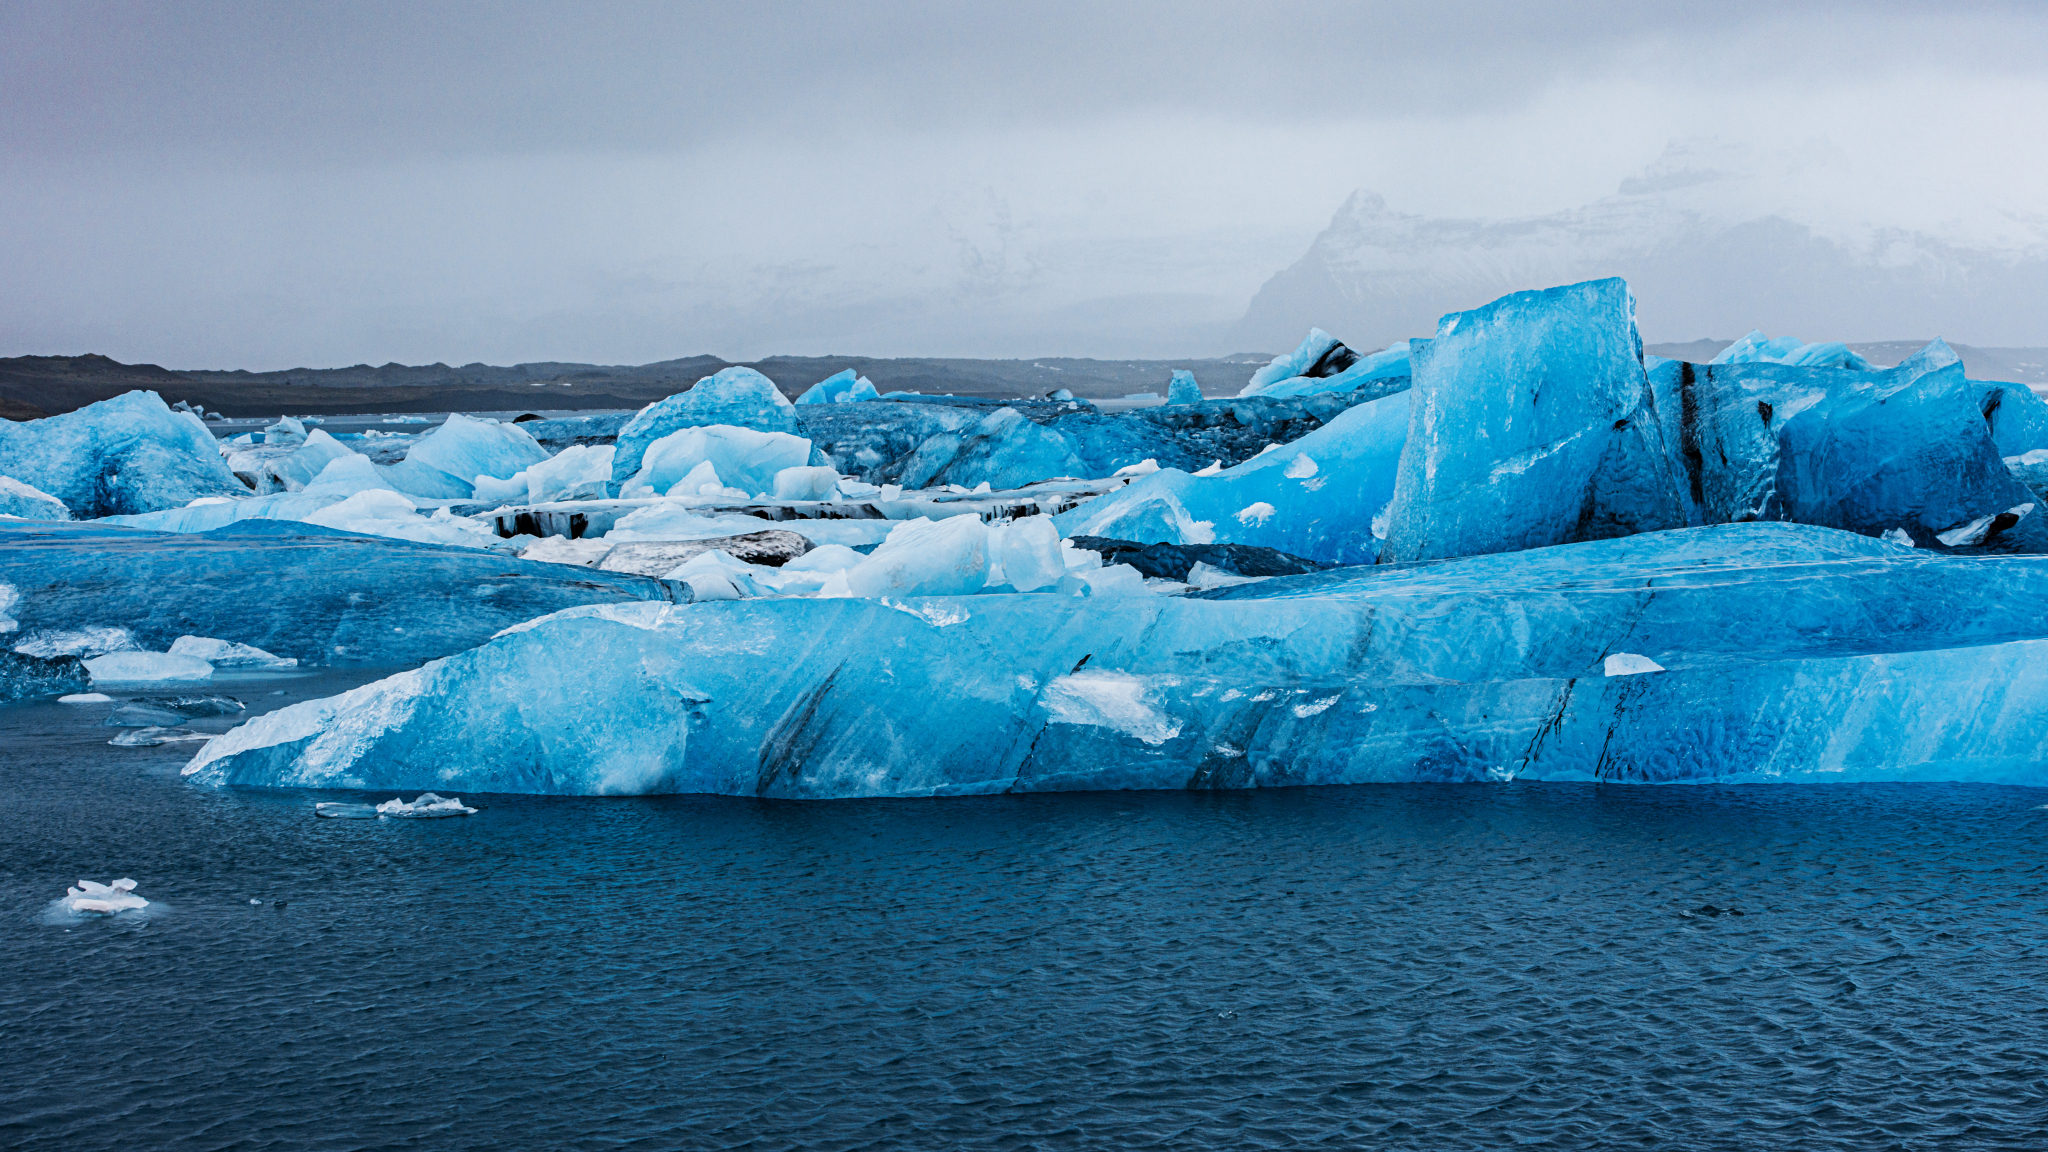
{"type": "Point", "coordinates": [1778, 662]}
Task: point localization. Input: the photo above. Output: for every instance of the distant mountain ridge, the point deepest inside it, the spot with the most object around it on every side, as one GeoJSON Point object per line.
{"type": "Point", "coordinates": [1712, 240]}
{"type": "Point", "coordinates": [36, 385]}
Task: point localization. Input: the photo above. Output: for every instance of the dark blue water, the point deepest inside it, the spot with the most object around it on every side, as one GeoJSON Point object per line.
{"type": "Point", "coordinates": [1423, 967]}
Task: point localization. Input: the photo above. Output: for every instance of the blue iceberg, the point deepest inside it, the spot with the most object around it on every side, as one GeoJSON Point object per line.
{"type": "Point", "coordinates": [29, 502]}
{"type": "Point", "coordinates": [844, 387]}
{"type": "Point", "coordinates": [1532, 424]}
{"type": "Point", "coordinates": [124, 455]}
{"type": "Point", "coordinates": [300, 591]}
{"type": "Point", "coordinates": [736, 397]}
{"type": "Point", "coordinates": [1182, 389]}
{"type": "Point", "coordinates": [1750, 652]}
{"type": "Point", "coordinates": [1324, 364]}
{"type": "Point", "coordinates": [1002, 450]}
{"type": "Point", "coordinates": [1317, 497]}
{"type": "Point", "coordinates": [1757, 348]}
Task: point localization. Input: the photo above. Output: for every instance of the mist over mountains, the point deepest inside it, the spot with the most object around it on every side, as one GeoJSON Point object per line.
{"type": "Point", "coordinates": [1715, 239]}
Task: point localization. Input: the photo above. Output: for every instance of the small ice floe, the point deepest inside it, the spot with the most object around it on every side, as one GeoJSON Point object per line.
{"type": "Point", "coordinates": [427, 807]}
{"type": "Point", "coordinates": [86, 698]}
{"type": "Point", "coordinates": [1630, 664]}
{"type": "Point", "coordinates": [102, 899]}
{"type": "Point", "coordinates": [151, 737]}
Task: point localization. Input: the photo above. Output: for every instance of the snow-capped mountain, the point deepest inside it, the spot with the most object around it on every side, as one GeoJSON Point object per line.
{"type": "Point", "coordinates": [1715, 241]}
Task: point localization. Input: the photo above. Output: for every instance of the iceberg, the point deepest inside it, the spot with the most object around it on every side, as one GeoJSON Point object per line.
{"type": "Point", "coordinates": [1757, 348]}
{"type": "Point", "coordinates": [327, 598]}
{"type": "Point", "coordinates": [1182, 389]}
{"type": "Point", "coordinates": [465, 448]}
{"type": "Point", "coordinates": [1323, 364]}
{"type": "Point", "coordinates": [228, 654]}
{"type": "Point", "coordinates": [806, 483]}
{"type": "Point", "coordinates": [2018, 418]}
{"type": "Point", "coordinates": [734, 397]}
{"type": "Point", "coordinates": [306, 463]}
{"type": "Point", "coordinates": [926, 558]}
{"type": "Point", "coordinates": [740, 458]}
{"type": "Point", "coordinates": [576, 472]}
{"type": "Point", "coordinates": [1532, 424]}
{"type": "Point", "coordinates": [147, 668]}
{"type": "Point", "coordinates": [124, 455]}
{"type": "Point", "coordinates": [1316, 497]}
{"type": "Point", "coordinates": [1781, 661]}
{"type": "Point", "coordinates": [1906, 449]}
{"type": "Point", "coordinates": [1002, 450]}
{"type": "Point", "coordinates": [843, 387]}
{"type": "Point", "coordinates": [29, 502]}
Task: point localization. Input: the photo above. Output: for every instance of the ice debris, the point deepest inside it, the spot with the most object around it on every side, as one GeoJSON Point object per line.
{"type": "Point", "coordinates": [576, 472]}
{"type": "Point", "coordinates": [1323, 364]}
{"type": "Point", "coordinates": [428, 806]}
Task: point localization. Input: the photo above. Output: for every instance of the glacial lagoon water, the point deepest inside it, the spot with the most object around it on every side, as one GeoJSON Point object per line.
{"type": "Point", "coordinates": [1417, 966]}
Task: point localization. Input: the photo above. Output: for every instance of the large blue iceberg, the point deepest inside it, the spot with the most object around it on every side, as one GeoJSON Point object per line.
{"type": "Point", "coordinates": [1752, 652]}
{"type": "Point", "coordinates": [128, 454]}
{"type": "Point", "coordinates": [737, 397]}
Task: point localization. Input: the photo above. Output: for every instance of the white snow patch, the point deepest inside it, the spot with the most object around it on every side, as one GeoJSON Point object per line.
{"type": "Point", "coordinates": [1630, 664]}
{"type": "Point", "coordinates": [1301, 467]}
{"type": "Point", "coordinates": [1255, 515]}
{"type": "Point", "coordinates": [1111, 700]}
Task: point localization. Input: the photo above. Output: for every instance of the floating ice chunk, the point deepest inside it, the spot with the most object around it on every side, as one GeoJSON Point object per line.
{"type": "Point", "coordinates": [227, 654]}
{"type": "Point", "coordinates": [1898, 536]}
{"type": "Point", "coordinates": [86, 698]}
{"type": "Point", "coordinates": [379, 512]}
{"type": "Point", "coordinates": [1629, 664]}
{"type": "Point", "coordinates": [716, 574]}
{"type": "Point", "coordinates": [1757, 348]}
{"type": "Point", "coordinates": [733, 398]}
{"type": "Point", "coordinates": [428, 806]}
{"type": "Point", "coordinates": [286, 431]}
{"type": "Point", "coordinates": [924, 557]}
{"type": "Point", "coordinates": [88, 642]}
{"type": "Point", "coordinates": [124, 455]}
{"type": "Point", "coordinates": [825, 558]}
{"type": "Point", "coordinates": [578, 471]}
{"type": "Point", "coordinates": [806, 483]}
{"type": "Point", "coordinates": [465, 448]}
{"type": "Point", "coordinates": [1113, 580]}
{"type": "Point", "coordinates": [1322, 364]}
{"type": "Point", "coordinates": [1028, 552]}
{"type": "Point", "coordinates": [742, 458]}
{"type": "Point", "coordinates": [343, 810]}
{"type": "Point", "coordinates": [103, 899]}
{"type": "Point", "coordinates": [29, 502]}
{"type": "Point", "coordinates": [147, 668]}
{"type": "Point", "coordinates": [562, 550]}
{"type": "Point", "coordinates": [301, 467]}
{"type": "Point", "coordinates": [1144, 467]}
{"type": "Point", "coordinates": [1060, 395]}
{"type": "Point", "coordinates": [1182, 389]}
{"type": "Point", "coordinates": [1533, 424]}
{"type": "Point", "coordinates": [843, 387]}
{"type": "Point", "coordinates": [1976, 530]}
{"type": "Point", "coordinates": [151, 737]}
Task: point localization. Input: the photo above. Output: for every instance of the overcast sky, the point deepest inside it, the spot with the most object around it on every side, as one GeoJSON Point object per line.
{"type": "Point", "coordinates": [265, 185]}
